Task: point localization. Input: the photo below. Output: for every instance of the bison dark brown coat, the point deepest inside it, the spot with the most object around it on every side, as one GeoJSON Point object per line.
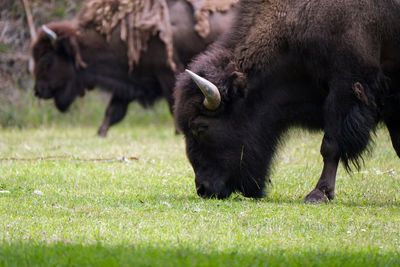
{"type": "Point", "coordinates": [330, 64]}
{"type": "Point", "coordinates": [82, 58]}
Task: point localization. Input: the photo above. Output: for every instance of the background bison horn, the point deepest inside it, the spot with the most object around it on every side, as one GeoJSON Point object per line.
{"type": "Point", "coordinates": [52, 35]}
{"type": "Point", "coordinates": [210, 91]}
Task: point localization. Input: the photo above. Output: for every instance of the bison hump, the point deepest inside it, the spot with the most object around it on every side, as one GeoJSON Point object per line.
{"type": "Point", "coordinates": [137, 20]}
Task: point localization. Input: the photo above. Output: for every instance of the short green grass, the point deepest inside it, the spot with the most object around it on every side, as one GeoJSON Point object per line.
{"type": "Point", "coordinates": [146, 212]}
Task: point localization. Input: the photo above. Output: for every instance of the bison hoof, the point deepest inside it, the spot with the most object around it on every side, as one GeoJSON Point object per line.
{"type": "Point", "coordinates": [316, 196]}
{"type": "Point", "coordinates": [102, 133]}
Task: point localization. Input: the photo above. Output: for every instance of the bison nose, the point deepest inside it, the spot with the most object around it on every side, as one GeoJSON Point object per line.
{"type": "Point", "coordinates": [42, 90]}
{"type": "Point", "coordinates": [205, 189]}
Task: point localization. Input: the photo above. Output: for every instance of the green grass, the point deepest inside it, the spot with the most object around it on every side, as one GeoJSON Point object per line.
{"type": "Point", "coordinates": [146, 213]}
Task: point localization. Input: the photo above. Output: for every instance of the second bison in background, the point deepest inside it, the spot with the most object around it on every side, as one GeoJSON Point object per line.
{"type": "Point", "coordinates": [73, 56]}
{"type": "Point", "coordinates": [329, 64]}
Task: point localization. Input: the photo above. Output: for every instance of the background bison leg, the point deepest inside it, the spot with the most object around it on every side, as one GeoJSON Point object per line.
{"type": "Point", "coordinates": [115, 112]}
{"type": "Point", "coordinates": [325, 188]}
{"type": "Point", "coordinates": [166, 78]}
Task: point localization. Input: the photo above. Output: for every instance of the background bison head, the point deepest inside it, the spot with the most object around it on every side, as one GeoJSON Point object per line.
{"type": "Point", "coordinates": [221, 144]}
{"type": "Point", "coordinates": [57, 61]}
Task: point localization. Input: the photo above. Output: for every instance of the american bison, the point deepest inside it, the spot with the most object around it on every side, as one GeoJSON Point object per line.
{"type": "Point", "coordinates": [125, 53]}
{"type": "Point", "coordinates": [331, 65]}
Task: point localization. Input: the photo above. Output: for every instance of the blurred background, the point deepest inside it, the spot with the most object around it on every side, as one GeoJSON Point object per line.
{"type": "Point", "coordinates": [18, 106]}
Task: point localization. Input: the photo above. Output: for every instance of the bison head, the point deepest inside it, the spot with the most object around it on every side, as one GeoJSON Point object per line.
{"type": "Point", "coordinates": [57, 63]}
{"type": "Point", "coordinates": [222, 142]}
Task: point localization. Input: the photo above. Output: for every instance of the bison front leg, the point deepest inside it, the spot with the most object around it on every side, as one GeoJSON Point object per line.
{"type": "Point", "coordinates": [115, 112]}
{"type": "Point", "coordinates": [350, 116]}
{"type": "Point", "coordinates": [325, 189]}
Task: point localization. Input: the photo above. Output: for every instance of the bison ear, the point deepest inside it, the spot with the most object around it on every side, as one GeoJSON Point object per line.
{"type": "Point", "coordinates": [239, 84]}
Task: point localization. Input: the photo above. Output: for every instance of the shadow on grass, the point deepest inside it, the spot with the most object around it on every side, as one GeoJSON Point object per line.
{"type": "Point", "coordinates": [193, 198]}
{"type": "Point", "coordinates": [348, 203]}
{"type": "Point", "coordinates": [62, 254]}
{"type": "Point", "coordinates": [370, 203]}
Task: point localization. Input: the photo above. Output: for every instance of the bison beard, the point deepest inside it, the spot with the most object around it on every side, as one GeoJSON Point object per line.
{"type": "Point", "coordinates": [291, 63]}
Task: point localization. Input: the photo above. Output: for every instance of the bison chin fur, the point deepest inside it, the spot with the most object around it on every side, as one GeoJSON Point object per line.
{"type": "Point", "coordinates": [232, 163]}
{"type": "Point", "coordinates": [246, 176]}
{"type": "Point", "coordinates": [217, 188]}
{"type": "Point", "coordinates": [64, 98]}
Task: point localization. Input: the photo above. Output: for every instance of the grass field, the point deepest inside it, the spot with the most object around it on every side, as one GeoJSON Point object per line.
{"type": "Point", "coordinates": [75, 210]}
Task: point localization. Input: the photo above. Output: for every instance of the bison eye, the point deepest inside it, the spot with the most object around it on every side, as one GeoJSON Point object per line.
{"type": "Point", "coordinates": [198, 128]}
{"type": "Point", "coordinates": [200, 131]}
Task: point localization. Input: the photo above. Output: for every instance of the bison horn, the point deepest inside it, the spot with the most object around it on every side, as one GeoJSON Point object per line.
{"type": "Point", "coordinates": [51, 34]}
{"type": "Point", "coordinates": [210, 91]}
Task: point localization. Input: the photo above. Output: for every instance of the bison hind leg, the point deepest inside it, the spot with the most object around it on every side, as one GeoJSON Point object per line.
{"type": "Point", "coordinates": [392, 120]}
{"type": "Point", "coordinates": [394, 131]}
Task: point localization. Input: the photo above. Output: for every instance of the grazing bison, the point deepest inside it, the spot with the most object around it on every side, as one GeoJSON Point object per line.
{"type": "Point", "coordinates": [330, 64]}
{"type": "Point", "coordinates": [120, 48]}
